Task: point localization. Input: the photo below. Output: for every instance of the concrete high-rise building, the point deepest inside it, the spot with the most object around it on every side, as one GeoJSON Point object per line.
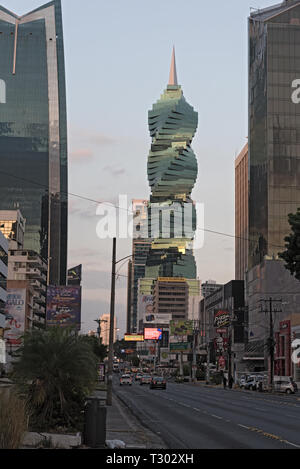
{"type": "Point", "coordinates": [171, 297]}
{"type": "Point", "coordinates": [274, 126]}
{"type": "Point", "coordinates": [12, 225]}
{"type": "Point", "coordinates": [241, 214]}
{"type": "Point", "coordinates": [25, 265]}
{"type": "Point", "coordinates": [209, 287]}
{"type": "Point", "coordinates": [33, 137]}
{"type": "Point", "coordinates": [104, 328]}
{"type": "Point", "coordinates": [140, 249]}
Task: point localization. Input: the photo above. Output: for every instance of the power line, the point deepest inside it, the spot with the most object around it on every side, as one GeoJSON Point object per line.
{"type": "Point", "coordinates": [89, 199]}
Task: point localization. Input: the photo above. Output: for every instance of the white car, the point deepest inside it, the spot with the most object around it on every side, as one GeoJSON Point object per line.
{"type": "Point", "coordinates": [125, 379]}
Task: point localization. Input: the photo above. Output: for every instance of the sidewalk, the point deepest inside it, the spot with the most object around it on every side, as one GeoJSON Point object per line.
{"type": "Point", "coordinates": [123, 426]}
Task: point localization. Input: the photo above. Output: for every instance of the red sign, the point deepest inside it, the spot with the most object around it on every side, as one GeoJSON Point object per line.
{"type": "Point", "coordinates": [152, 334]}
{"type": "Point", "coordinates": [223, 330]}
{"type": "Point", "coordinates": [221, 362]}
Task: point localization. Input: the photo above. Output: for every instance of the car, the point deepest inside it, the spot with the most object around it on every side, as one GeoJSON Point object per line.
{"type": "Point", "coordinates": [158, 382]}
{"type": "Point", "coordinates": [138, 376]}
{"type": "Point", "coordinates": [285, 384]}
{"type": "Point", "coordinates": [145, 379]}
{"type": "Point", "coordinates": [251, 382]}
{"type": "Point", "coordinates": [125, 379]}
{"type": "Point", "coordinates": [242, 381]}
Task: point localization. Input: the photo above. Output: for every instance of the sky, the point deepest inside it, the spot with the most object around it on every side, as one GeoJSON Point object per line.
{"type": "Point", "coordinates": [118, 56]}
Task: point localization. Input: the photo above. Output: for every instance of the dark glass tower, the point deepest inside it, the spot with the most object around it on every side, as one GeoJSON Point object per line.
{"type": "Point", "coordinates": [172, 173]}
{"type": "Point", "coordinates": [33, 130]}
{"type": "Point", "coordinates": [274, 126]}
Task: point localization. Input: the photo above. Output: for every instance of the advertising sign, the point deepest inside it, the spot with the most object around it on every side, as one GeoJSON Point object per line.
{"type": "Point", "coordinates": [15, 309]}
{"type": "Point", "coordinates": [157, 318]}
{"type": "Point", "coordinates": [101, 372]}
{"type": "Point", "coordinates": [181, 327]}
{"type": "Point", "coordinates": [164, 355]}
{"type": "Point", "coordinates": [145, 308]}
{"type": "Point", "coordinates": [63, 306]}
{"type": "Point", "coordinates": [133, 337]}
{"type": "Point", "coordinates": [152, 333]}
{"type": "Point", "coordinates": [221, 363]}
{"type": "Point", "coordinates": [222, 319]}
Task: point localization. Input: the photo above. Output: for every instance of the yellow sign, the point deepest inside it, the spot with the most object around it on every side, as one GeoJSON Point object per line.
{"type": "Point", "coordinates": [134, 337]}
{"type": "Point", "coordinates": [171, 279]}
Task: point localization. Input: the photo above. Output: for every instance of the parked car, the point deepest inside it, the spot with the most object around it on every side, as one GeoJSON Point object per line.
{"type": "Point", "coordinates": [145, 379]}
{"type": "Point", "coordinates": [252, 382]}
{"type": "Point", "coordinates": [158, 382]}
{"type": "Point", "coordinates": [125, 379]}
{"type": "Point", "coordinates": [242, 381]}
{"type": "Point", "coordinates": [285, 384]}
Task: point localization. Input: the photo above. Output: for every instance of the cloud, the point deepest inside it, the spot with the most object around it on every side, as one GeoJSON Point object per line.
{"type": "Point", "coordinates": [81, 155]}
{"type": "Point", "coordinates": [114, 171]}
{"type": "Point", "coordinates": [92, 137]}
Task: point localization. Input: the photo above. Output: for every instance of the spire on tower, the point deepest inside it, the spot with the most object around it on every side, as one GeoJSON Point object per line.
{"type": "Point", "coordinates": [173, 73]}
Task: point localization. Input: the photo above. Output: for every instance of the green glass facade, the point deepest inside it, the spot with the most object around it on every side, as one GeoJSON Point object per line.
{"type": "Point", "coordinates": [274, 127]}
{"type": "Point", "coordinates": [172, 173]}
{"type": "Point", "coordinates": [33, 130]}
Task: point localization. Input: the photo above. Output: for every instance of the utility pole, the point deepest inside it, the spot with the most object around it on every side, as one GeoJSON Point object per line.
{"type": "Point", "coordinates": [271, 342]}
{"type": "Point", "coordinates": [194, 362]}
{"type": "Point", "coordinates": [111, 326]}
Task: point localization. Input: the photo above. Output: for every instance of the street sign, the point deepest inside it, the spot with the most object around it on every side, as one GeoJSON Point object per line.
{"type": "Point", "coordinates": [221, 330]}
{"type": "Point", "coordinates": [180, 346]}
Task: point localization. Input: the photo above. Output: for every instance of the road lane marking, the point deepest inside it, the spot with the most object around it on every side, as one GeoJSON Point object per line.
{"type": "Point", "coordinates": [217, 416]}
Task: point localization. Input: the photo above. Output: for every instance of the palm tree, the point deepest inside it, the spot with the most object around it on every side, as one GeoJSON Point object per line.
{"type": "Point", "coordinates": [56, 371]}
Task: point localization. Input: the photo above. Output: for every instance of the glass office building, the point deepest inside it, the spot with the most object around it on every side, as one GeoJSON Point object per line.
{"type": "Point", "coordinates": [33, 130]}
{"type": "Point", "coordinates": [172, 173]}
{"type": "Point", "coordinates": [274, 126]}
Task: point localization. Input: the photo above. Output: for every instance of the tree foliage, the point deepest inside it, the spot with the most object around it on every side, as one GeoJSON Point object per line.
{"type": "Point", "coordinates": [56, 371]}
{"type": "Point", "coordinates": [291, 255]}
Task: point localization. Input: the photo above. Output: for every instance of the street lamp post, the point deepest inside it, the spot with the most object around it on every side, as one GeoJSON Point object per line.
{"type": "Point", "coordinates": [111, 324]}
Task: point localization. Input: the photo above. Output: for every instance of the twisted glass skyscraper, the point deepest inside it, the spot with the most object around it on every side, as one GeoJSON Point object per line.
{"type": "Point", "coordinates": [33, 130]}
{"type": "Point", "coordinates": [172, 173]}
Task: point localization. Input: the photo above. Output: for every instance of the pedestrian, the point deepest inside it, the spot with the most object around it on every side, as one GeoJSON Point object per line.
{"type": "Point", "coordinates": [230, 382]}
{"type": "Point", "coordinates": [224, 381]}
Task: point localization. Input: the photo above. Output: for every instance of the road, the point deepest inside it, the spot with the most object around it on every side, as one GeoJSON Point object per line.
{"type": "Point", "coordinates": [197, 417]}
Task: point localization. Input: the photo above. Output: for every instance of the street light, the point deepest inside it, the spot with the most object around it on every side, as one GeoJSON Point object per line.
{"type": "Point", "coordinates": [111, 325]}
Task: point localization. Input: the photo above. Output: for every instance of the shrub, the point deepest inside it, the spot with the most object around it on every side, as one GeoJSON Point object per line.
{"type": "Point", "coordinates": [13, 420]}
{"type": "Point", "coordinates": [56, 371]}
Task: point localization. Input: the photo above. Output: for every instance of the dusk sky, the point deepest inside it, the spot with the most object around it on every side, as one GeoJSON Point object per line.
{"type": "Point", "coordinates": [118, 56]}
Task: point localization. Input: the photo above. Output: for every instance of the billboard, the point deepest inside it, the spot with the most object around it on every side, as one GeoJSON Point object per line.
{"type": "Point", "coordinates": [157, 318]}
{"type": "Point", "coordinates": [152, 333]}
{"type": "Point", "coordinates": [181, 327]}
{"type": "Point", "coordinates": [145, 308]}
{"type": "Point", "coordinates": [15, 309]}
{"type": "Point", "coordinates": [63, 306]}
{"type": "Point", "coordinates": [222, 319]}
{"type": "Point", "coordinates": [134, 338]}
